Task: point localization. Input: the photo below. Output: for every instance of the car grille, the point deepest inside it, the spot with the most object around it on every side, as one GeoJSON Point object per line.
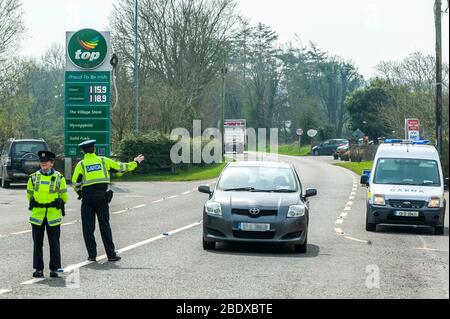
{"type": "Point", "coordinates": [253, 235]}
{"type": "Point", "coordinates": [398, 203]}
{"type": "Point", "coordinates": [246, 212]}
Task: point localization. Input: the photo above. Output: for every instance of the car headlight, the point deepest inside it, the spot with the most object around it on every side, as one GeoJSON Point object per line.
{"type": "Point", "coordinates": [435, 202]}
{"type": "Point", "coordinates": [379, 200]}
{"type": "Point", "coordinates": [296, 211]}
{"type": "Point", "coordinates": [213, 209]}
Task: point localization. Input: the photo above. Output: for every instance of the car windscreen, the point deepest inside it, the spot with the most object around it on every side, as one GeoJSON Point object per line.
{"type": "Point", "coordinates": [417, 172]}
{"type": "Point", "coordinates": [263, 179]}
{"type": "Point", "coordinates": [22, 148]}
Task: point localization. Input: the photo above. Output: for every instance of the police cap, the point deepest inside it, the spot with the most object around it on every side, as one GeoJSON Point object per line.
{"type": "Point", "coordinates": [87, 144]}
{"type": "Point", "coordinates": [46, 156]}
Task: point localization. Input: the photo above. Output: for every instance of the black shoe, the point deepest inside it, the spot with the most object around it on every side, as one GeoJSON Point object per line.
{"type": "Point", "coordinates": [54, 274]}
{"type": "Point", "coordinates": [114, 259]}
{"type": "Point", "coordinates": [94, 259]}
{"type": "Point", "coordinates": [38, 274]}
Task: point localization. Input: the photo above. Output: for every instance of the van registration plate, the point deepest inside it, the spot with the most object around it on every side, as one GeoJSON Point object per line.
{"type": "Point", "coordinates": [407, 214]}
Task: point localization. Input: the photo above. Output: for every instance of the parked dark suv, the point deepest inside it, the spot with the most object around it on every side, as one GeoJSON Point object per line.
{"type": "Point", "coordinates": [19, 159]}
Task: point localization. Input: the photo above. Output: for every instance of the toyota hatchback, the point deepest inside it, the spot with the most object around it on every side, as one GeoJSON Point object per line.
{"type": "Point", "coordinates": [262, 202]}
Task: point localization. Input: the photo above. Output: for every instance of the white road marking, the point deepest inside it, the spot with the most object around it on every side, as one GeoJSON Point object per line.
{"type": "Point", "coordinates": [343, 215]}
{"type": "Point", "coordinates": [69, 223]}
{"type": "Point", "coordinates": [347, 209]}
{"type": "Point", "coordinates": [139, 244]}
{"type": "Point", "coordinates": [339, 231]}
{"type": "Point", "coordinates": [339, 222]}
{"type": "Point", "coordinates": [4, 291]}
{"type": "Point", "coordinates": [120, 212]}
{"type": "Point", "coordinates": [32, 281]}
{"type": "Point", "coordinates": [157, 201]}
{"type": "Point", "coordinates": [352, 194]}
{"type": "Point", "coordinates": [349, 203]}
{"type": "Point", "coordinates": [22, 232]}
{"type": "Point", "coordinates": [139, 206]}
{"type": "Point", "coordinates": [172, 197]}
{"type": "Point", "coordinates": [352, 198]}
{"type": "Point", "coordinates": [185, 193]}
{"type": "Point", "coordinates": [358, 240]}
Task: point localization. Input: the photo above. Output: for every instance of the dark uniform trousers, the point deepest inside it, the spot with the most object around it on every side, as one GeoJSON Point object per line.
{"type": "Point", "coordinates": [94, 203]}
{"type": "Point", "coordinates": [53, 234]}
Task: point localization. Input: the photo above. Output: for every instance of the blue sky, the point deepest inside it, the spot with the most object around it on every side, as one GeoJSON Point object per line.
{"type": "Point", "coordinates": [364, 31]}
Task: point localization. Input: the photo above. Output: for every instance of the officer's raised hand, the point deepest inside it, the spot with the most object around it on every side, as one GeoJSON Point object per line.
{"type": "Point", "coordinates": [139, 159]}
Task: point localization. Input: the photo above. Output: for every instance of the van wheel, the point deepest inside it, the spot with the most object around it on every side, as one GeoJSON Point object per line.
{"type": "Point", "coordinates": [370, 226]}
{"type": "Point", "coordinates": [439, 230]}
{"type": "Point", "coordinates": [209, 245]}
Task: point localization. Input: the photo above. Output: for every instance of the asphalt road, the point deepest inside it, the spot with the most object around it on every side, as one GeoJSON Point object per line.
{"type": "Point", "coordinates": [157, 229]}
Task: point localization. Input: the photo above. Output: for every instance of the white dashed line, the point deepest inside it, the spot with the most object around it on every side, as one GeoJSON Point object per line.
{"type": "Point", "coordinates": [172, 197]}
{"type": "Point", "coordinates": [157, 201]}
{"type": "Point", "coordinates": [339, 231]}
{"type": "Point", "coordinates": [69, 223]}
{"type": "Point", "coordinates": [22, 232]}
{"type": "Point", "coordinates": [349, 203]}
{"type": "Point", "coordinates": [356, 239]}
{"type": "Point", "coordinates": [120, 212]}
{"type": "Point", "coordinates": [347, 209]}
{"type": "Point", "coordinates": [352, 198]}
{"type": "Point", "coordinates": [343, 215]}
{"type": "Point", "coordinates": [4, 291]}
{"type": "Point", "coordinates": [139, 206]}
{"type": "Point", "coordinates": [339, 222]}
{"type": "Point", "coordinates": [185, 193]}
{"type": "Point", "coordinates": [139, 244]}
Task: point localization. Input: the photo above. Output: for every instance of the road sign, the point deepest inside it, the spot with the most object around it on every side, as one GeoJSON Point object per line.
{"type": "Point", "coordinates": [412, 129]}
{"type": "Point", "coordinates": [300, 132]}
{"type": "Point", "coordinates": [312, 133]}
{"type": "Point", "coordinates": [87, 91]}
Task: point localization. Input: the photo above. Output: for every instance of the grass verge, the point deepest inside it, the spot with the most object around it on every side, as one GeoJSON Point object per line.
{"type": "Point", "coordinates": [293, 150]}
{"type": "Point", "coordinates": [358, 168]}
{"type": "Point", "coordinates": [186, 175]}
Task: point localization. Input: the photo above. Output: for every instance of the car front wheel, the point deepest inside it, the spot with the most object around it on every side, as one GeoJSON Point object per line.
{"type": "Point", "coordinates": [439, 230]}
{"type": "Point", "coordinates": [209, 245]}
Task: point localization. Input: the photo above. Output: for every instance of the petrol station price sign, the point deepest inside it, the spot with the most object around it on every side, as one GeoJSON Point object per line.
{"type": "Point", "coordinates": [87, 91]}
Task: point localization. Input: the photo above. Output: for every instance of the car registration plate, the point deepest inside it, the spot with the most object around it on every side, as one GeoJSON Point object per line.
{"type": "Point", "coordinates": [254, 227]}
{"type": "Point", "coordinates": [406, 214]}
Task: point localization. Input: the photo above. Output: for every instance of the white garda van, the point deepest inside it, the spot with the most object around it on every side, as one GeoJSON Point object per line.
{"type": "Point", "coordinates": [406, 186]}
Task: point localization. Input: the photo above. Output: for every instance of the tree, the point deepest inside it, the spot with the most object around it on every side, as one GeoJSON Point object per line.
{"type": "Point", "coordinates": [366, 108]}
{"type": "Point", "coordinates": [182, 44]}
{"type": "Point", "coordinates": [11, 26]}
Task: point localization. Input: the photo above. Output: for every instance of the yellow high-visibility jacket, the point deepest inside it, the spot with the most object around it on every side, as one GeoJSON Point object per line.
{"type": "Point", "coordinates": [46, 190]}
{"type": "Point", "coordinates": [95, 169]}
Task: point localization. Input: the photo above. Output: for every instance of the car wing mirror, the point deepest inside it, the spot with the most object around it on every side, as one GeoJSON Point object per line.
{"type": "Point", "coordinates": [446, 183]}
{"type": "Point", "coordinates": [205, 189]}
{"type": "Point", "coordinates": [310, 193]}
{"type": "Point", "coordinates": [365, 178]}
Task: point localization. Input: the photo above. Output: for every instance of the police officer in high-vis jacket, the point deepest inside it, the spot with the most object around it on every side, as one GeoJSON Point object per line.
{"type": "Point", "coordinates": [47, 195]}
{"type": "Point", "coordinates": [90, 180]}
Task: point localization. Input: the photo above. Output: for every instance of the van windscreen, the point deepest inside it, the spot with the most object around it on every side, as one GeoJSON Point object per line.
{"type": "Point", "coordinates": [416, 172]}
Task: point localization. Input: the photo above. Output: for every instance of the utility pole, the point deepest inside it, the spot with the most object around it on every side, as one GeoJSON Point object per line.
{"type": "Point", "coordinates": [438, 22]}
{"type": "Point", "coordinates": [136, 67]}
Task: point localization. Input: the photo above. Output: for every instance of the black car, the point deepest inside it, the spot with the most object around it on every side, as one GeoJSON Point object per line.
{"type": "Point", "coordinates": [262, 202]}
{"type": "Point", "coordinates": [19, 159]}
{"type": "Point", "coordinates": [328, 147]}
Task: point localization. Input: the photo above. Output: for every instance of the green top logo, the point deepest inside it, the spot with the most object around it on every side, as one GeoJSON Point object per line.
{"type": "Point", "coordinates": [87, 49]}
